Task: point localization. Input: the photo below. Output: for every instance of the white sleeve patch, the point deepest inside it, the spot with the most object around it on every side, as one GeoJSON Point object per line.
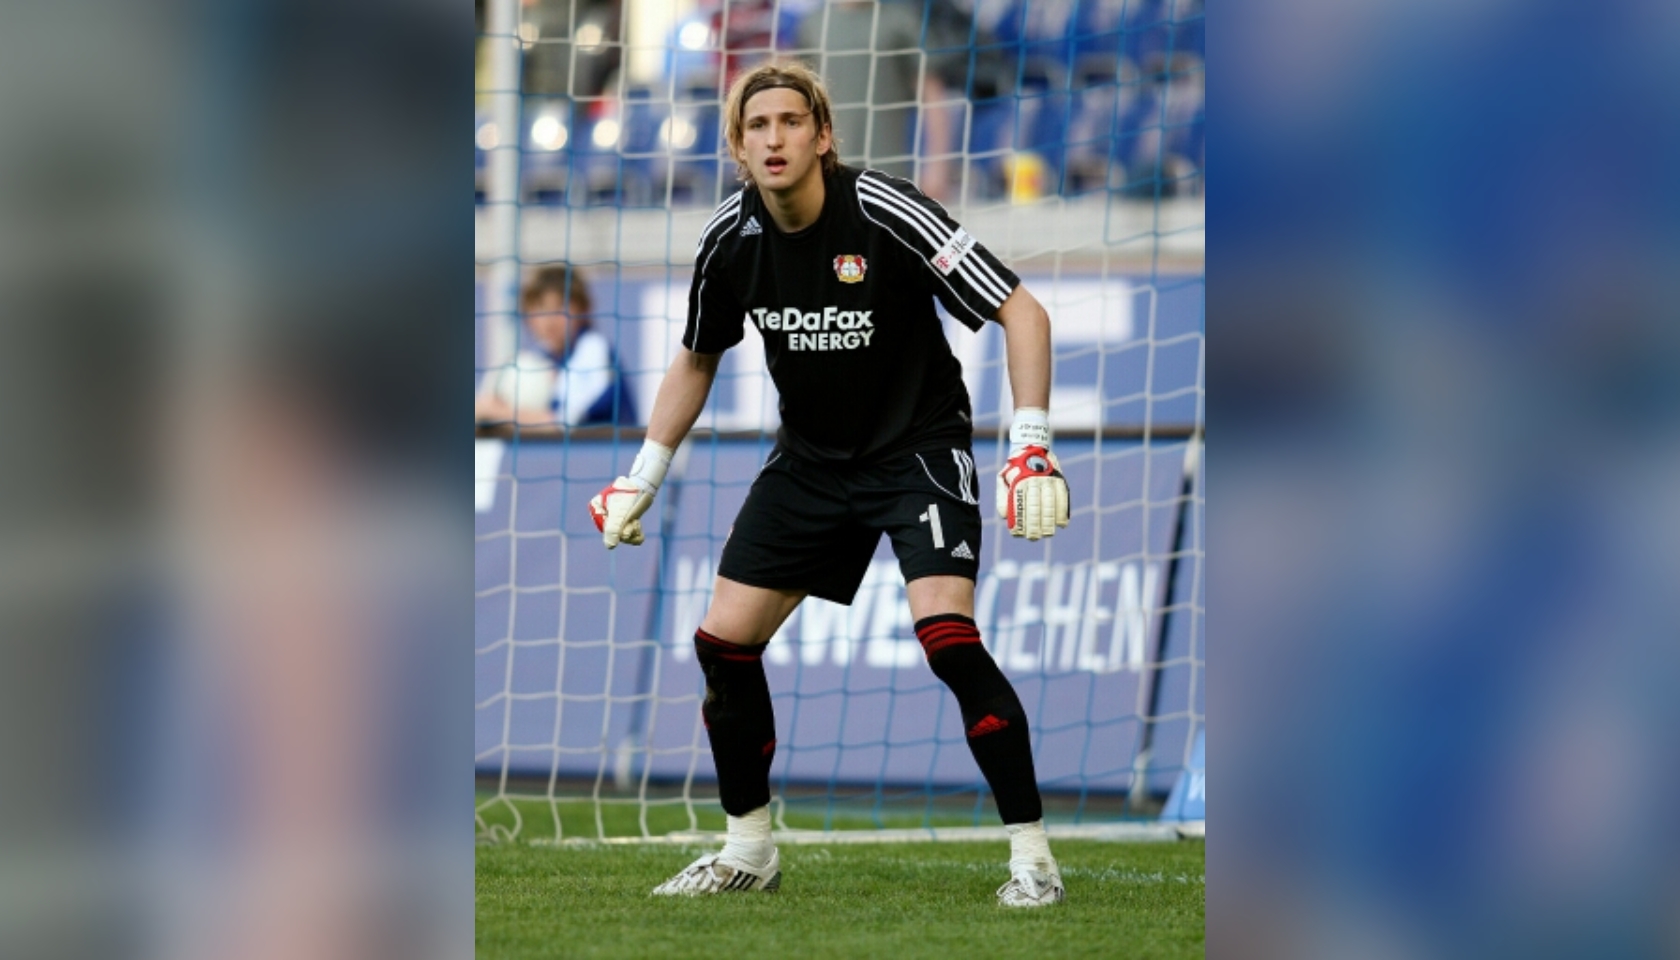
{"type": "Point", "coordinates": [953, 252]}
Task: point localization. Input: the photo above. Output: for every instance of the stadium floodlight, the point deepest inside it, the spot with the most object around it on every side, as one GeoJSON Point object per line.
{"type": "Point", "coordinates": [678, 133]}
{"type": "Point", "coordinates": [606, 133]}
{"type": "Point", "coordinates": [694, 36]}
{"type": "Point", "coordinates": [549, 133]}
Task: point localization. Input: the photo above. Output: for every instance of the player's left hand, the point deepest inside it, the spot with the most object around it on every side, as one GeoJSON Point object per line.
{"type": "Point", "coordinates": [617, 512]}
{"type": "Point", "coordinates": [1032, 495]}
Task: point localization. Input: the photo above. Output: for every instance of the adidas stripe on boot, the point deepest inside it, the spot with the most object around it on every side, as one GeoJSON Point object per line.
{"type": "Point", "coordinates": [715, 873]}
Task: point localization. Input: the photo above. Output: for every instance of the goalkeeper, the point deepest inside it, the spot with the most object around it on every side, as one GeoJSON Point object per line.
{"type": "Point", "coordinates": [838, 269]}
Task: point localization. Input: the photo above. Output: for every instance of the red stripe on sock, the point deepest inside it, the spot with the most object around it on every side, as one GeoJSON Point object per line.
{"type": "Point", "coordinates": [736, 657]}
{"type": "Point", "coordinates": [940, 632]}
{"type": "Point", "coordinates": [932, 648]}
{"type": "Point", "coordinates": [930, 641]}
{"type": "Point", "coordinates": [948, 628]}
{"type": "Point", "coordinates": [945, 621]}
{"type": "Point", "coordinates": [729, 651]}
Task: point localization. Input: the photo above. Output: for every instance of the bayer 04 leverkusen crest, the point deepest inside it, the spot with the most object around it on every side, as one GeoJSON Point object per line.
{"type": "Point", "coordinates": [849, 267]}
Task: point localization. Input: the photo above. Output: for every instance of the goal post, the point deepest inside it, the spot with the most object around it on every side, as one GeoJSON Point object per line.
{"type": "Point", "coordinates": [1083, 173]}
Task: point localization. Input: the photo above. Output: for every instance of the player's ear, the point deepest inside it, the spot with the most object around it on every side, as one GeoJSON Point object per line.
{"type": "Point", "coordinates": [825, 141]}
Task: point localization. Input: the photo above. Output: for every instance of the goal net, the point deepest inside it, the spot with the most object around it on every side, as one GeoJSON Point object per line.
{"type": "Point", "coordinates": [1068, 139]}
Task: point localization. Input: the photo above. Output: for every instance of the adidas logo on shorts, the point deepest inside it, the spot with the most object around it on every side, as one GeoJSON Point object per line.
{"type": "Point", "coordinates": [962, 552]}
{"type": "Point", "coordinates": [752, 228]}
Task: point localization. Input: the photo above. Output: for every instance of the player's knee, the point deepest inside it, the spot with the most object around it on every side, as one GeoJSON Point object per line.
{"type": "Point", "coordinates": [747, 615]}
{"type": "Point", "coordinates": [740, 632]}
{"type": "Point", "coordinates": [941, 595]}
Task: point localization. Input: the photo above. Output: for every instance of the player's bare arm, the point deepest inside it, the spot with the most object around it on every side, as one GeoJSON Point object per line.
{"type": "Point", "coordinates": [617, 510]}
{"type": "Point", "coordinates": [1026, 332]}
{"type": "Point", "coordinates": [1032, 495]}
{"type": "Point", "coordinates": [681, 397]}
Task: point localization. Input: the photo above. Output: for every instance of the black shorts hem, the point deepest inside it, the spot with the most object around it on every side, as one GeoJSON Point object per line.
{"type": "Point", "coordinates": [829, 592]}
{"type": "Point", "coordinates": [972, 576]}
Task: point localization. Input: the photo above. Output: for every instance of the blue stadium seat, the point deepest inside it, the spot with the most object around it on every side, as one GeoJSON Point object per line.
{"type": "Point", "coordinates": [1161, 136]}
{"type": "Point", "coordinates": [1190, 32]}
{"type": "Point", "coordinates": [990, 136]}
{"type": "Point", "coordinates": [1148, 30]}
{"type": "Point", "coordinates": [1045, 104]}
{"type": "Point", "coordinates": [1099, 28]}
{"type": "Point", "coordinates": [1041, 34]}
{"type": "Point", "coordinates": [1137, 141]}
{"type": "Point", "coordinates": [699, 166]}
{"type": "Point", "coordinates": [597, 177]}
{"type": "Point", "coordinates": [1105, 88]}
{"type": "Point", "coordinates": [1183, 121]}
{"type": "Point", "coordinates": [645, 165]}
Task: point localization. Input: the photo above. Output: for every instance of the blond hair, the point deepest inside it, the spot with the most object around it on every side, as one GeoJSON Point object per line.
{"type": "Point", "coordinates": [790, 75]}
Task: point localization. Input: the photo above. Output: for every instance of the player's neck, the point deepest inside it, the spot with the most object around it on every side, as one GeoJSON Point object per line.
{"type": "Point", "coordinates": [798, 206]}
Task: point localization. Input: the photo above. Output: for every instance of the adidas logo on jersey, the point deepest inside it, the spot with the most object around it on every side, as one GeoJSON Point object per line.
{"type": "Point", "coordinates": [988, 724]}
{"type": "Point", "coordinates": [752, 229]}
{"type": "Point", "coordinates": [962, 552]}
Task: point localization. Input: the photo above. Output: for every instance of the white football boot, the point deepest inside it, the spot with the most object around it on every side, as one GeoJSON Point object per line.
{"type": "Point", "coordinates": [1028, 887]}
{"type": "Point", "coordinates": [716, 873]}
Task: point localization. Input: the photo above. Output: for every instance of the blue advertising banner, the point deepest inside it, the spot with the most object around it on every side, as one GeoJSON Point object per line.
{"type": "Point", "coordinates": [585, 655]}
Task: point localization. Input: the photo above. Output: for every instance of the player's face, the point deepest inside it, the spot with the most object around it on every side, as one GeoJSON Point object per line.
{"type": "Point", "coordinates": [551, 321]}
{"type": "Point", "coordinates": [780, 142]}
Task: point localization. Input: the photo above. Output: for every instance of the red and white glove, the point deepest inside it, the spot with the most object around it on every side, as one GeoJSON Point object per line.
{"type": "Point", "coordinates": [1032, 495]}
{"type": "Point", "coordinates": [617, 510]}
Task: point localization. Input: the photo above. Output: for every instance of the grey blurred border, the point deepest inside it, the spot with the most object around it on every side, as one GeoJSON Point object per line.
{"type": "Point", "coordinates": [235, 282]}
{"type": "Point", "coordinates": [1444, 518]}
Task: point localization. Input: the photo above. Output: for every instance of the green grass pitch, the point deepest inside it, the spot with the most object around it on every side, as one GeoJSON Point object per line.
{"type": "Point", "coordinates": [895, 900]}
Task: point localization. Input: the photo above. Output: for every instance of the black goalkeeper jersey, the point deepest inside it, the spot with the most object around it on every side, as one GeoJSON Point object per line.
{"type": "Point", "coordinates": [845, 308]}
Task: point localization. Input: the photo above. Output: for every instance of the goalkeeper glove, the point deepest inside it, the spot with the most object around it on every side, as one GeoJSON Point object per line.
{"type": "Point", "coordinates": [617, 510]}
{"type": "Point", "coordinates": [1032, 495]}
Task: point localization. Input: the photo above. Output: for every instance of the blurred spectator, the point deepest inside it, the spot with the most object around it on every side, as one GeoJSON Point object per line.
{"type": "Point", "coordinates": [572, 376]}
{"type": "Point", "coordinates": [871, 55]}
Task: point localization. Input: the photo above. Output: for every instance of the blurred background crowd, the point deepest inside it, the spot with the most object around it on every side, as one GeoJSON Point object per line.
{"type": "Point", "coordinates": [621, 98]}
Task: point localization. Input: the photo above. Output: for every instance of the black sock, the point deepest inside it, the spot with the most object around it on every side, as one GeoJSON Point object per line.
{"type": "Point", "coordinates": [992, 714]}
{"type": "Point", "coordinates": [739, 721]}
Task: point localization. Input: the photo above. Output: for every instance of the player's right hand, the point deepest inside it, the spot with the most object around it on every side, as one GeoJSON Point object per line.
{"type": "Point", "coordinates": [617, 511]}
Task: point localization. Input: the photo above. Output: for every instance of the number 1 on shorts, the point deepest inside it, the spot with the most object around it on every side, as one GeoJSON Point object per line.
{"type": "Point", "coordinates": [932, 518]}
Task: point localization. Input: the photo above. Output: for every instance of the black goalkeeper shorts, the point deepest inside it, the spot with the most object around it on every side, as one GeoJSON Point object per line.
{"type": "Point", "coordinates": [814, 526]}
